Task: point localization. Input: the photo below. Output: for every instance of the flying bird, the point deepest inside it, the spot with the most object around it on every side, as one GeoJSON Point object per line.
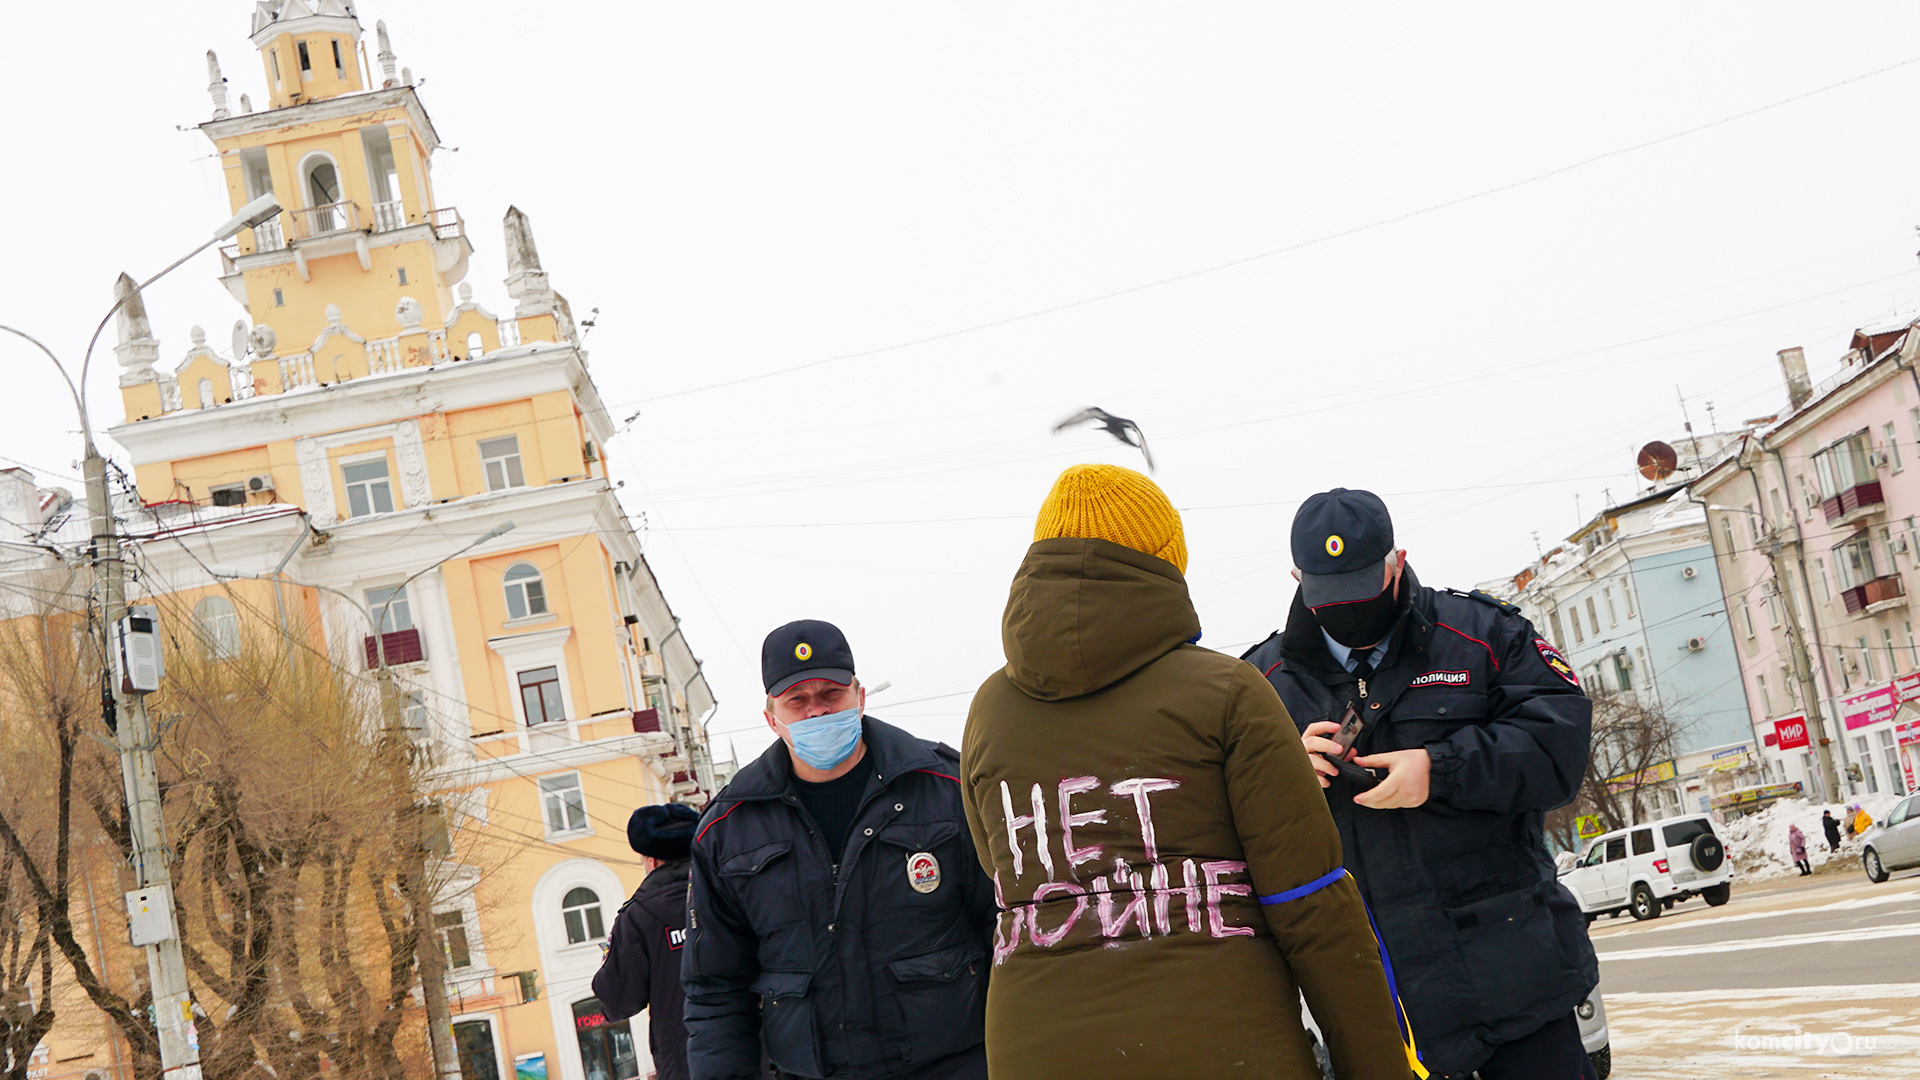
{"type": "Point", "coordinates": [1117, 426]}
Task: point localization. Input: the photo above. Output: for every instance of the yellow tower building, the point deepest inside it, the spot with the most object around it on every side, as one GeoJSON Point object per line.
{"type": "Point", "coordinates": [357, 446]}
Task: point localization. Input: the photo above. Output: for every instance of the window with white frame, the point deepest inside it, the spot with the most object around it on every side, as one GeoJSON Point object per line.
{"type": "Point", "coordinates": [526, 591]}
{"type": "Point", "coordinates": [369, 487]}
{"type": "Point", "coordinates": [1826, 589]}
{"type": "Point", "coordinates": [1866, 659]}
{"type": "Point", "coordinates": [1726, 530]}
{"type": "Point", "coordinates": [390, 607]}
{"type": "Point", "coordinates": [1853, 560]}
{"type": "Point", "coordinates": [1626, 596]}
{"type": "Point", "coordinates": [1864, 759]}
{"type": "Point", "coordinates": [413, 714]}
{"type": "Point", "coordinates": [540, 695]}
{"type": "Point", "coordinates": [1766, 701]}
{"type": "Point", "coordinates": [1753, 524]}
{"type": "Point", "coordinates": [218, 626]}
{"type": "Point", "coordinates": [1844, 465]}
{"type": "Point", "coordinates": [451, 928]}
{"type": "Point", "coordinates": [500, 460]}
{"type": "Point", "coordinates": [1746, 618]}
{"type": "Point", "coordinates": [1893, 655]}
{"type": "Point", "coordinates": [580, 909]}
{"type": "Point", "coordinates": [1579, 636]}
{"type": "Point", "coordinates": [1593, 617]}
{"type": "Point", "coordinates": [564, 804]}
{"type": "Point", "coordinates": [1613, 617]}
{"type": "Point", "coordinates": [1553, 621]}
{"type": "Point", "coordinates": [1893, 448]}
{"type": "Point", "coordinates": [1891, 755]}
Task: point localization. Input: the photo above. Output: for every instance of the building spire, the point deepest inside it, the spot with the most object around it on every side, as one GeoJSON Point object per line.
{"type": "Point", "coordinates": [526, 281]}
{"type": "Point", "coordinates": [386, 57]}
{"type": "Point", "coordinates": [217, 87]}
{"type": "Point", "coordinates": [137, 349]}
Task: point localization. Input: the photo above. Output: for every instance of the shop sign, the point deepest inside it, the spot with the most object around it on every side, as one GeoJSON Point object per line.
{"type": "Point", "coordinates": [1872, 707]}
{"type": "Point", "coordinates": [1792, 732]}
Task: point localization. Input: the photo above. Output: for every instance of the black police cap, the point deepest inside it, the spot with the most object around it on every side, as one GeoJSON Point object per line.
{"type": "Point", "coordinates": [1341, 540]}
{"type": "Point", "coordinates": [802, 650]}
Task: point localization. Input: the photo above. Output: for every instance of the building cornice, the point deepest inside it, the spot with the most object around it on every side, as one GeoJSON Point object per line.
{"type": "Point", "coordinates": [373, 399]}
{"type": "Point", "coordinates": [335, 108]}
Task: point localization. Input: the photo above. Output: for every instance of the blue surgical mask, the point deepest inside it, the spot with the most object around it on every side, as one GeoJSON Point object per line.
{"type": "Point", "coordinates": [825, 741]}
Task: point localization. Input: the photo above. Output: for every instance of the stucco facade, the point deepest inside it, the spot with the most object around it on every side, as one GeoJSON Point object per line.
{"type": "Point", "coordinates": [1822, 503]}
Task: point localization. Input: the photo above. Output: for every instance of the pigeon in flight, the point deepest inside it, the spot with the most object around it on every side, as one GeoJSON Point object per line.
{"type": "Point", "coordinates": [1117, 426]}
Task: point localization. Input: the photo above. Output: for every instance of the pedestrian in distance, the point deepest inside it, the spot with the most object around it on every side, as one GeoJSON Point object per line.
{"type": "Point", "coordinates": [1862, 821]}
{"type": "Point", "coordinates": [1168, 876]}
{"type": "Point", "coordinates": [641, 969]}
{"type": "Point", "coordinates": [1797, 847]}
{"type": "Point", "coordinates": [1458, 727]}
{"type": "Point", "coordinates": [1832, 827]}
{"type": "Point", "coordinates": [837, 912]}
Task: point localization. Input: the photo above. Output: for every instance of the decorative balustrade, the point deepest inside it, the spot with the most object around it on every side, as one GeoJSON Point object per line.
{"type": "Point", "coordinates": [268, 236]}
{"type": "Point", "coordinates": [388, 216]}
{"type": "Point", "coordinates": [447, 224]}
{"type": "Point", "coordinates": [326, 220]}
{"type": "Point", "coordinates": [437, 346]}
{"type": "Point", "coordinates": [297, 371]}
{"type": "Point", "coordinates": [509, 332]}
{"type": "Point", "coordinates": [384, 356]}
{"type": "Point", "coordinates": [241, 377]}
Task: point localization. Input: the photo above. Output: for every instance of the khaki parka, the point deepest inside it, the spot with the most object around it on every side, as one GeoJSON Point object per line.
{"type": "Point", "coordinates": [1134, 796]}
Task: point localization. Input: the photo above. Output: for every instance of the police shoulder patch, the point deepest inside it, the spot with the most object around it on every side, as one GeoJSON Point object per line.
{"type": "Point", "coordinates": [1492, 601]}
{"type": "Point", "coordinates": [1555, 661]}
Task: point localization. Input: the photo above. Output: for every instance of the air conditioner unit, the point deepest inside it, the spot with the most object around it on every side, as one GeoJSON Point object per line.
{"type": "Point", "coordinates": [1696, 644]}
{"type": "Point", "coordinates": [1877, 459]}
{"type": "Point", "coordinates": [1900, 545]}
{"type": "Point", "coordinates": [1812, 500]}
{"type": "Point", "coordinates": [1622, 659]}
{"type": "Point", "coordinates": [258, 484]}
{"type": "Point", "coordinates": [1689, 572]}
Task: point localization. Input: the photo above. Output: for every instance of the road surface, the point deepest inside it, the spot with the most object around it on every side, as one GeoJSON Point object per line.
{"type": "Point", "coordinates": [1803, 978]}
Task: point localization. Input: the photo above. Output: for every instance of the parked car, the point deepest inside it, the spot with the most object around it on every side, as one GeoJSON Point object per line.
{"type": "Point", "coordinates": [1645, 869]}
{"type": "Point", "coordinates": [1591, 1013]}
{"type": "Point", "coordinates": [1893, 844]}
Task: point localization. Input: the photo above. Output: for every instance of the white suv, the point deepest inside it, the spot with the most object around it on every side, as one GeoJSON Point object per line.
{"type": "Point", "coordinates": [1648, 868]}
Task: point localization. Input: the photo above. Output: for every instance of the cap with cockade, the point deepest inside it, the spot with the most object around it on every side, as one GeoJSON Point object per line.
{"type": "Point", "coordinates": [802, 650]}
{"type": "Point", "coordinates": [1341, 540]}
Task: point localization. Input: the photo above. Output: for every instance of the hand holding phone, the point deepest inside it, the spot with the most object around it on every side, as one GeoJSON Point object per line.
{"type": "Point", "coordinates": [1344, 737]}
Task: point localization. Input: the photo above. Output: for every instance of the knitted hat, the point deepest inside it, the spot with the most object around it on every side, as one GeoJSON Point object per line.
{"type": "Point", "coordinates": [663, 832]}
{"type": "Point", "coordinates": [1107, 502]}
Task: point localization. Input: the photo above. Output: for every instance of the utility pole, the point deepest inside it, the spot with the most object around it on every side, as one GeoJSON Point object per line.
{"type": "Point", "coordinates": [166, 968]}
{"type": "Point", "coordinates": [1803, 668]}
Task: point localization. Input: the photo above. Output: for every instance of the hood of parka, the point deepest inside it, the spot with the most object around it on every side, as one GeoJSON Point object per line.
{"type": "Point", "coordinates": [1084, 614]}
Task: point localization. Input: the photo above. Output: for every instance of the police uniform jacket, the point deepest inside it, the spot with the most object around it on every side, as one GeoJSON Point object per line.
{"type": "Point", "coordinates": [642, 966]}
{"type": "Point", "coordinates": [1486, 945]}
{"type": "Point", "coordinates": [866, 969]}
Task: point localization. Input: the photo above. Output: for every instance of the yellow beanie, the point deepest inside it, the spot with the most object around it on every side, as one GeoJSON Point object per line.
{"type": "Point", "coordinates": [1107, 502]}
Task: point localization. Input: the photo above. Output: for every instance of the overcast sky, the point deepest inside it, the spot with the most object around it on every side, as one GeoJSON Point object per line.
{"type": "Point", "coordinates": [1001, 213]}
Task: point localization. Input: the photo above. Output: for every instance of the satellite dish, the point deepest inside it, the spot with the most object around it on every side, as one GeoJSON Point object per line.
{"type": "Point", "coordinates": [241, 332]}
{"type": "Point", "coordinates": [1657, 461]}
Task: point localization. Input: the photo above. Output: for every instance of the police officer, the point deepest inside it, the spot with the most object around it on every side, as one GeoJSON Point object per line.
{"type": "Point", "coordinates": [837, 910]}
{"type": "Point", "coordinates": [1471, 727]}
{"type": "Point", "coordinates": [641, 968]}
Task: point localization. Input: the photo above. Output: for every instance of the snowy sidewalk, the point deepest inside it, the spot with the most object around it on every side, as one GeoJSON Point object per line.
{"type": "Point", "coordinates": [1802, 1032]}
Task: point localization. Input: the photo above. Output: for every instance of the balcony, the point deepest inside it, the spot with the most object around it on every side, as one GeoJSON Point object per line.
{"type": "Point", "coordinates": [646, 720]}
{"type": "Point", "coordinates": [388, 216]}
{"type": "Point", "coordinates": [400, 646]}
{"type": "Point", "coordinates": [328, 219]}
{"type": "Point", "coordinates": [1875, 596]}
{"type": "Point", "coordinates": [1854, 503]}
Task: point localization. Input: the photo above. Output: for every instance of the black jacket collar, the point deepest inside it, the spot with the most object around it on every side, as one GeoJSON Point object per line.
{"type": "Point", "coordinates": [894, 753]}
{"type": "Point", "coordinates": [1303, 648]}
{"type": "Point", "coordinates": [668, 875]}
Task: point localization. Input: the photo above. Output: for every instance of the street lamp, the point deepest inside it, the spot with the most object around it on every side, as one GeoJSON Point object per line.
{"type": "Point", "coordinates": [166, 969]}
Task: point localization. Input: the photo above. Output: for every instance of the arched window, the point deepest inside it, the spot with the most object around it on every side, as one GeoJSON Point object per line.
{"type": "Point", "coordinates": [206, 393]}
{"type": "Point", "coordinates": [323, 195]}
{"type": "Point", "coordinates": [218, 625]}
{"type": "Point", "coordinates": [526, 592]}
{"type": "Point", "coordinates": [473, 345]}
{"type": "Point", "coordinates": [581, 909]}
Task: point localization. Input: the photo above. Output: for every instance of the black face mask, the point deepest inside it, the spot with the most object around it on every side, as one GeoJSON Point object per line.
{"type": "Point", "coordinates": [1360, 623]}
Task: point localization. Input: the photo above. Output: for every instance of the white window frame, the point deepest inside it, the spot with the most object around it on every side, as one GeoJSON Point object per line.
{"type": "Point", "coordinates": [537, 649]}
{"type": "Point", "coordinates": [1866, 660]}
{"type": "Point", "coordinates": [1766, 699]}
{"type": "Point", "coordinates": [1613, 617]}
{"type": "Point", "coordinates": [1746, 619]}
{"type": "Point", "coordinates": [599, 907]}
{"type": "Point", "coordinates": [347, 486]}
{"type": "Point", "coordinates": [219, 631]}
{"type": "Point", "coordinates": [1593, 616]}
{"type": "Point", "coordinates": [555, 794]}
{"type": "Point", "coordinates": [527, 590]}
{"type": "Point", "coordinates": [512, 466]}
{"type": "Point", "coordinates": [1626, 595]}
{"type": "Point", "coordinates": [1893, 448]}
{"type": "Point", "coordinates": [402, 608]}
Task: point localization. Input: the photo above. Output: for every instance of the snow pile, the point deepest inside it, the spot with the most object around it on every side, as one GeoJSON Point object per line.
{"type": "Point", "coordinates": [1758, 842]}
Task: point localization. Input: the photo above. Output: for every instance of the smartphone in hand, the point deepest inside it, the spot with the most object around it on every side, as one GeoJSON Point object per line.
{"type": "Point", "coordinates": [1351, 725]}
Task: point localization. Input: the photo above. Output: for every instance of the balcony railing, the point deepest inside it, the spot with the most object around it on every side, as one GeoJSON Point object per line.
{"type": "Point", "coordinates": [401, 647]}
{"type": "Point", "coordinates": [267, 236]}
{"type": "Point", "coordinates": [388, 216]}
{"type": "Point", "coordinates": [1858, 497]}
{"type": "Point", "coordinates": [313, 222]}
{"type": "Point", "coordinates": [447, 224]}
{"type": "Point", "coordinates": [1876, 595]}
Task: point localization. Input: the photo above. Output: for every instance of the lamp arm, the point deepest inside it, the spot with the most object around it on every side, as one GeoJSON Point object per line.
{"type": "Point", "coordinates": [86, 361]}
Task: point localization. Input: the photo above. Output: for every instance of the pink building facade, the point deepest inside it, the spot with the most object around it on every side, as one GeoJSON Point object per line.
{"type": "Point", "coordinates": [1813, 520]}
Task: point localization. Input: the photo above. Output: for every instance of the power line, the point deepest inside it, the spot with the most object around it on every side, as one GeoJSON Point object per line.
{"type": "Point", "coordinates": [1289, 248]}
